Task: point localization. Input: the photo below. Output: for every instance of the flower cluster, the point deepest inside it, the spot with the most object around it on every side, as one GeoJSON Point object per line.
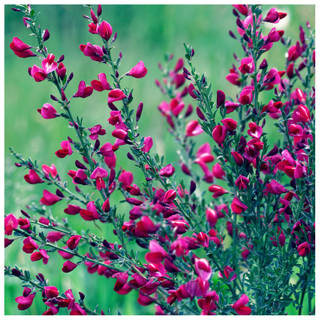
{"type": "Point", "coordinates": [227, 244]}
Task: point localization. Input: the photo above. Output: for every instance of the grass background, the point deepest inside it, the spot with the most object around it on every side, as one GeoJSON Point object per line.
{"type": "Point", "coordinates": [145, 32]}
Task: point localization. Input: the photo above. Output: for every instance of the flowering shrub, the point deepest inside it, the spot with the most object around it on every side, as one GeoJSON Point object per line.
{"type": "Point", "coordinates": [249, 250]}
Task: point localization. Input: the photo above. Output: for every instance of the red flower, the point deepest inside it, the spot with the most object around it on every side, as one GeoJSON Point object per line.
{"type": "Point", "coordinates": [240, 305]}
{"type": "Point", "coordinates": [68, 266]}
{"type": "Point", "coordinates": [247, 65]}
{"type": "Point", "coordinates": [219, 133]}
{"type": "Point", "coordinates": [65, 149]}
{"type": "Point", "coordinates": [304, 249]}
{"type": "Point", "coordinates": [83, 90]}
{"type": "Point", "coordinates": [90, 213]}
{"type": "Point", "coordinates": [54, 236]}
{"type": "Point", "coordinates": [29, 245]}
{"type": "Point", "coordinates": [38, 255]}
{"type": "Point", "coordinates": [73, 242]}
{"type": "Point", "coordinates": [51, 292]}
{"type": "Point", "coordinates": [242, 182]}
{"type": "Point", "coordinates": [101, 84]}
{"type": "Point", "coordinates": [274, 16]}
{"type": "Point", "coordinates": [230, 124]}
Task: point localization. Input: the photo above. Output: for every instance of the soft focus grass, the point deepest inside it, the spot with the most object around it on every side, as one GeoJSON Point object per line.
{"type": "Point", "coordinates": [145, 32]}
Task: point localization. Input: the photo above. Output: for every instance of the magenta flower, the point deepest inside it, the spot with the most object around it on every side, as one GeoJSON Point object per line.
{"type": "Point", "coordinates": [98, 174]}
{"type": "Point", "coordinates": [169, 196]}
{"type": "Point", "coordinates": [54, 236]}
{"type": "Point", "coordinates": [219, 134]}
{"type": "Point", "coordinates": [301, 114]}
{"type": "Point", "coordinates": [274, 16]}
{"type": "Point", "coordinates": [21, 49]}
{"type": "Point", "coordinates": [294, 52]}
{"type": "Point", "coordinates": [32, 177]}
{"type": "Point", "coordinates": [49, 198]}
{"type": "Point", "coordinates": [237, 206]}
{"type": "Point", "coordinates": [218, 172]}
{"type": "Point", "coordinates": [101, 84]}
{"type": "Point", "coordinates": [48, 64]}
{"type": "Point", "coordinates": [227, 272]}
{"type": "Point", "coordinates": [51, 292]}
{"type": "Point", "coordinates": [193, 128]}
{"type": "Point", "coordinates": [203, 269]}
{"type": "Point", "coordinates": [240, 305]}
{"type": "Point", "coordinates": [275, 35]}
{"type": "Point", "coordinates": [246, 95]}
{"type": "Point", "coordinates": [138, 71]}
{"type": "Point", "coordinates": [50, 170]}
{"type": "Point", "coordinates": [48, 111]}
{"type": "Point", "coordinates": [167, 171]}
{"type": "Point", "coordinates": [231, 106]}
{"type": "Point", "coordinates": [29, 245]}
{"type": "Point", "coordinates": [83, 90]}
{"type": "Point", "coordinates": [126, 178]}
{"type": "Point", "coordinates": [217, 191]}
{"type": "Point", "coordinates": [61, 70]}
{"type": "Point", "coordinates": [255, 131]}
{"type": "Point", "coordinates": [65, 149]}
{"type": "Point", "coordinates": [25, 301]}
{"type": "Point", "coordinates": [37, 74]}
{"type": "Point", "coordinates": [40, 255]}
{"type": "Point", "coordinates": [221, 98]}
{"type": "Point", "coordinates": [147, 144]}
{"type": "Point", "coordinates": [116, 95]}
{"type": "Point", "coordinates": [242, 182]}
{"type": "Point", "coordinates": [72, 209]}
{"type": "Point", "coordinates": [247, 65]}
{"type": "Point", "coordinates": [93, 51]}
{"type": "Point", "coordinates": [90, 213]}
{"type": "Point", "coordinates": [10, 224]}
{"type": "Point", "coordinates": [212, 217]}
{"type": "Point", "coordinates": [230, 124]}
{"type": "Point", "coordinates": [73, 242]}
{"type": "Point", "coordinates": [24, 223]}
{"type": "Point", "coordinates": [96, 131]}
{"type": "Point", "coordinates": [105, 30]}
{"type": "Point", "coordinates": [156, 254]}
{"type": "Point", "coordinates": [304, 249]}
{"type": "Point", "coordinates": [237, 158]}
{"type": "Point", "coordinates": [68, 266]}
{"type": "Point", "coordinates": [275, 188]}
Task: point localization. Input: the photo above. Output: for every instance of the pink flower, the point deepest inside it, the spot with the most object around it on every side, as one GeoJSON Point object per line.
{"type": "Point", "coordinates": [21, 49]}
{"type": "Point", "coordinates": [193, 128]}
{"type": "Point", "coordinates": [25, 301]}
{"type": "Point", "coordinates": [24, 223]}
{"type": "Point", "coordinates": [138, 71]}
{"type": "Point", "coordinates": [156, 254]}
{"type": "Point", "coordinates": [275, 35]}
{"type": "Point", "coordinates": [242, 182]}
{"type": "Point", "coordinates": [37, 74]}
{"type": "Point", "coordinates": [237, 158]}
{"type": "Point", "coordinates": [48, 111]}
{"type": "Point", "coordinates": [304, 249]}
{"type": "Point", "coordinates": [126, 178]}
{"type": "Point", "coordinates": [38, 255]}
{"type": "Point", "coordinates": [116, 95]}
{"type": "Point", "coordinates": [203, 269]}
{"type": "Point", "coordinates": [32, 177]}
{"type": "Point", "coordinates": [301, 114]}
{"type": "Point", "coordinates": [237, 206]}
{"type": "Point", "coordinates": [255, 131]}
{"type": "Point", "coordinates": [169, 196]}
{"type": "Point", "coordinates": [65, 149]}
{"type": "Point", "coordinates": [247, 65]}
{"type": "Point", "coordinates": [167, 171]}
{"type": "Point", "coordinates": [98, 174]}
{"type": "Point", "coordinates": [61, 70]}
{"type": "Point", "coordinates": [105, 30]}
{"type": "Point", "coordinates": [230, 124]}
{"type": "Point", "coordinates": [227, 272]}
{"type": "Point", "coordinates": [101, 84]}
{"type": "Point", "coordinates": [10, 224]}
{"type": "Point", "coordinates": [240, 305]}
{"type": "Point", "coordinates": [54, 236]}
{"type": "Point", "coordinates": [49, 198]}
{"type": "Point", "coordinates": [294, 52]}
{"type": "Point", "coordinates": [72, 209]}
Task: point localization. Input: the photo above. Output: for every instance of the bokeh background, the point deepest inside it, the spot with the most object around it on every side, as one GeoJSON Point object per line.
{"type": "Point", "coordinates": [145, 32]}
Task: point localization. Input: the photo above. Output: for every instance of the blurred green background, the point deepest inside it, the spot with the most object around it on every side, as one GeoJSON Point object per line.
{"type": "Point", "coordinates": [145, 32]}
